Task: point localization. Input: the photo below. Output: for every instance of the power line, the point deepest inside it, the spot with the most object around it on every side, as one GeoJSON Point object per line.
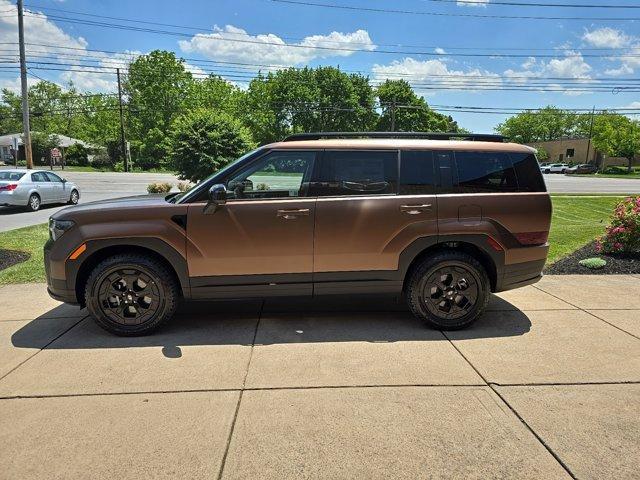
{"type": "Point", "coordinates": [443, 14]}
{"type": "Point", "coordinates": [522, 4]}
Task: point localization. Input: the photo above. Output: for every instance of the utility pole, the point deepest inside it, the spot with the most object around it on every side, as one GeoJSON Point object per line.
{"type": "Point", "coordinates": [393, 115]}
{"type": "Point", "coordinates": [26, 140]}
{"type": "Point", "coordinates": [586, 160]}
{"type": "Point", "coordinates": [123, 141]}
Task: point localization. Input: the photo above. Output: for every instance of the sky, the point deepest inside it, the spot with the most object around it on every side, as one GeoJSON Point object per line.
{"type": "Point", "coordinates": [458, 54]}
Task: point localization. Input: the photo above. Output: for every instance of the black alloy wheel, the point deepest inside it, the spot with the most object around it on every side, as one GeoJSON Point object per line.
{"type": "Point", "coordinates": [131, 294]}
{"type": "Point", "coordinates": [448, 290]}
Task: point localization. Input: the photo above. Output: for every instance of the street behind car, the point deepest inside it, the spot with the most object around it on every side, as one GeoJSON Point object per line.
{"type": "Point", "coordinates": [34, 188]}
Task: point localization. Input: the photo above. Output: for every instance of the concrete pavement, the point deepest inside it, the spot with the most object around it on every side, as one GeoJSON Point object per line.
{"type": "Point", "coordinates": [545, 385]}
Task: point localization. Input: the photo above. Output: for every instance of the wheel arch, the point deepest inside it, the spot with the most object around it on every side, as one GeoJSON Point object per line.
{"type": "Point", "coordinates": [152, 247]}
{"type": "Point", "coordinates": [474, 245]}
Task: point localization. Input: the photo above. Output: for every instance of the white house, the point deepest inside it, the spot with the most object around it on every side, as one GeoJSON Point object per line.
{"type": "Point", "coordinates": [12, 140]}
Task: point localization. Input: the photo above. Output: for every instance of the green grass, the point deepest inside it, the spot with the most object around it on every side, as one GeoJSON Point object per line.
{"type": "Point", "coordinates": [577, 221]}
{"type": "Point", "coordinates": [634, 175]}
{"type": "Point", "coordinates": [31, 240]}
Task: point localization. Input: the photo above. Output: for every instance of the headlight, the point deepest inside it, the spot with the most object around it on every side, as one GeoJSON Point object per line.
{"type": "Point", "coordinates": [58, 227]}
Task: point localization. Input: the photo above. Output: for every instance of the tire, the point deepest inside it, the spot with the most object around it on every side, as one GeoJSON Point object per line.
{"type": "Point", "coordinates": [466, 297]}
{"type": "Point", "coordinates": [149, 289]}
{"type": "Point", "coordinates": [34, 202]}
{"type": "Point", "coordinates": [73, 199]}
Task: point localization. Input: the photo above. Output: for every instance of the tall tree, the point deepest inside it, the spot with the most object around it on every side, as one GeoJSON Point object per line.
{"type": "Point", "coordinates": [404, 111]}
{"type": "Point", "coordinates": [617, 136]}
{"type": "Point", "coordinates": [156, 87]}
{"type": "Point", "coordinates": [548, 123]}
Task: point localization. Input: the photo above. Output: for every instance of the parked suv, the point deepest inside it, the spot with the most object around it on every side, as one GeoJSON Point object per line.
{"type": "Point", "coordinates": [442, 222]}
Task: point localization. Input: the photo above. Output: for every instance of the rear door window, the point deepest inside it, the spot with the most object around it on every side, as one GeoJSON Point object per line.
{"type": "Point", "coordinates": [356, 172]}
{"type": "Point", "coordinates": [417, 174]}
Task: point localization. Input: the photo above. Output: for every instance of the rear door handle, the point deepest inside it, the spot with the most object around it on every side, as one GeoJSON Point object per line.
{"type": "Point", "coordinates": [294, 213]}
{"type": "Point", "coordinates": [415, 209]}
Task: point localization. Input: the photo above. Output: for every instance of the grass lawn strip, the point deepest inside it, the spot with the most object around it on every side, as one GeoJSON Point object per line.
{"type": "Point", "coordinates": [30, 240]}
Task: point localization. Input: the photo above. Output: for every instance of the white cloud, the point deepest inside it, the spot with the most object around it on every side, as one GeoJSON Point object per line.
{"type": "Point", "coordinates": [607, 37]}
{"type": "Point", "coordinates": [235, 44]}
{"type": "Point", "coordinates": [633, 105]}
{"type": "Point", "coordinates": [571, 66]}
{"type": "Point", "coordinates": [440, 51]}
{"type": "Point", "coordinates": [435, 72]}
{"type": "Point", "coordinates": [617, 72]}
{"type": "Point", "coordinates": [472, 3]}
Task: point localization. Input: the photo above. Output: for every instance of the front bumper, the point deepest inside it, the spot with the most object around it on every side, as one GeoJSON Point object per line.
{"type": "Point", "coordinates": [57, 288]}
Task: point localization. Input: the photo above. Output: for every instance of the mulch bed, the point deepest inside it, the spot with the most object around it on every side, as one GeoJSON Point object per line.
{"type": "Point", "coordinates": [616, 264]}
{"type": "Point", "coordinates": [9, 258]}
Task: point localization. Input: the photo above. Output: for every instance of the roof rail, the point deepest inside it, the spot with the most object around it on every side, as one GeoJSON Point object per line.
{"type": "Point", "coordinates": [477, 137]}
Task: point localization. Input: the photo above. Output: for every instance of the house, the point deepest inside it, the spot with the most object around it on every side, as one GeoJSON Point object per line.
{"type": "Point", "coordinates": [578, 150]}
{"type": "Point", "coordinates": [9, 142]}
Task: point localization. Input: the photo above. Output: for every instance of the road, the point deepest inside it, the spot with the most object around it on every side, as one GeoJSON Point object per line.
{"type": "Point", "coordinates": [93, 186]}
{"type": "Point", "coordinates": [104, 185]}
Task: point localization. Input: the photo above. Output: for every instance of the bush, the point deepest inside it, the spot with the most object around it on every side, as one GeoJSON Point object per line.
{"type": "Point", "coordinates": [159, 187]}
{"type": "Point", "coordinates": [184, 186]}
{"type": "Point", "coordinates": [623, 235]}
{"type": "Point", "coordinates": [102, 162]}
{"type": "Point", "coordinates": [616, 171]}
{"type": "Point", "coordinates": [77, 155]}
{"type": "Point", "coordinates": [201, 142]}
{"type": "Point", "coordinates": [594, 263]}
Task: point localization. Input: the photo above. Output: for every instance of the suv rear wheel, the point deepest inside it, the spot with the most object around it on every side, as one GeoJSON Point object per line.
{"type": "Point", "coordinates": [131, 294]}
{"type": "Point", "coordinates": [448, 290]}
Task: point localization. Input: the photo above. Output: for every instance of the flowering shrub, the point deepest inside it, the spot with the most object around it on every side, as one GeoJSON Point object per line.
{"type": "Point", "coordinates": [623, 235]}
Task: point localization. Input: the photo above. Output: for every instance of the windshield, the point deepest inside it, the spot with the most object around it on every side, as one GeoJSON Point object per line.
{"type": "Point", "coordinates": [11, 175]}
{"type": "Point", "coordinates": [183, 195]}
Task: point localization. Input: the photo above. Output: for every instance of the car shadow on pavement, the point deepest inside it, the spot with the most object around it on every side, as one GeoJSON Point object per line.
{"type": "Point", "coordinates": [15, 210]}
{"type": "Point", "coordinates": [346, 319]}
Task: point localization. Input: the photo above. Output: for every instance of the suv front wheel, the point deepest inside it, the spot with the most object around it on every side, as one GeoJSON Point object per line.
{"type": "Point", "coordinates": [131, 294]}
{"type": "Point", "coordinates": [448, 290]}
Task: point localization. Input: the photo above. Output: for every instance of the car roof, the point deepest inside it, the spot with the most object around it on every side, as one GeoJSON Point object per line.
{"type": "Point", "coordinates": [395, 143]}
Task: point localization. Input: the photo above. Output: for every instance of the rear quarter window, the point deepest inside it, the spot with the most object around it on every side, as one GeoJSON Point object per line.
{"type": "Point", "coordinates": [484, 172]}
{"type": "Point", "coordinates": [528, 172]}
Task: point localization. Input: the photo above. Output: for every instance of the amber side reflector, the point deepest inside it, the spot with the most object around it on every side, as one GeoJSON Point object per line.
{"type": "Point", "coordinates": [494, 244]}
{"type": "Point", "coordinates": [78, 251]}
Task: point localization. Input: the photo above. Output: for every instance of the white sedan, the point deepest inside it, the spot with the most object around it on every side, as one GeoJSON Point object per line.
{"type": "Point", "coordinates": [33, 188]}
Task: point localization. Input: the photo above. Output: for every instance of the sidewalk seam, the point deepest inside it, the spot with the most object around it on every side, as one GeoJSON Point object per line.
{"type": "Point", "coordinates": [45, 346]}
{"type": "Point", "coordinates": [589, 313]}
{"type": "Point", "coordinates": [242, 388]}
{"type": "Point", "coordinates": [522, 420]}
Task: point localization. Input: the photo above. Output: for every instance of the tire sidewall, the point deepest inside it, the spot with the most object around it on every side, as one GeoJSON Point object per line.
{"type": "Point", "coordinates": [424, 271]}
{"type": "Point", "coordinates": [108, 266]}
{"type": "Point", "coordinates": [77, 197]}
{"type": "Point", "coordinates": [30, 205]}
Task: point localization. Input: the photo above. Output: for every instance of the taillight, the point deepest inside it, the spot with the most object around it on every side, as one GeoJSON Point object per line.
{"type": "Point", "coordinates": [532, 238]}
{"type": "Point", "coordinates": [10, 187]}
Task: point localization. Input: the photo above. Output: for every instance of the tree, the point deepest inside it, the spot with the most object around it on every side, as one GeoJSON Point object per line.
{"type": "Point", "coordinates": [201, 142]}
{"type": "Point", "coordinates": [41, 145]}
{"type": "Point", "coordinates": [616, 136]}
{"type": "Point", "coordinates": [309, 99]}
{"type": "Point", "coordinates": [404, 111]}
{"type": "Point", "coordinates": [156, 86]}
{"type": "Point", "coordinates": [76, 154]}
{"type": "Point", "coordinates": [549, 123]}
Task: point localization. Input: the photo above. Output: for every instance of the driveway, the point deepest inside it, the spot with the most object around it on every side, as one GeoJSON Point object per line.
{"type": "Point", "coordinates": [545, 385]}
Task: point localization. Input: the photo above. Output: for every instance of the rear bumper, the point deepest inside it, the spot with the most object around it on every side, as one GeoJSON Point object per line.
{"type": "Point", "coordinates": [520, 274]}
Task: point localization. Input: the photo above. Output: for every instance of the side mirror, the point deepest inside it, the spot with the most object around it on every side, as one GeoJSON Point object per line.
{"type": "Point", "coordinates": [217, 198]}
{"type": "Point", "coordinates": [64, 180]}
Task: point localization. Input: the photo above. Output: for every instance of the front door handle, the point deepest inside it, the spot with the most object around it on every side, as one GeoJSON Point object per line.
{"type": "Point", "coordinates": [415, 209]}
{"type": "Point", "coordinates": [294, 213]}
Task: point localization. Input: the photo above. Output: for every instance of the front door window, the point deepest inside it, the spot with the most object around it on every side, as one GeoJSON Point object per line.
{"type": "Point", "coordinates": [279, 174]}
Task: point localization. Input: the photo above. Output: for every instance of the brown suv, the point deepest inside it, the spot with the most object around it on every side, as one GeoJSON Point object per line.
{"type": "Point", "coordinates": [443, 222]}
